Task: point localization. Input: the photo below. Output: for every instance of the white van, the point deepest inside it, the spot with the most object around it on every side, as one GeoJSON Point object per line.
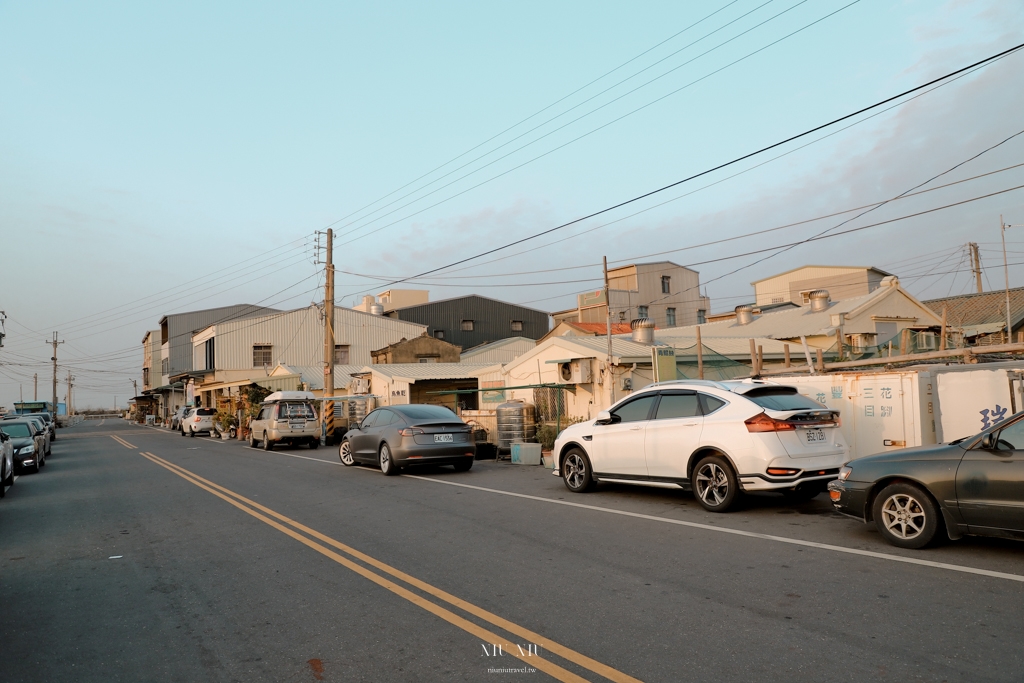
{"type": "Point", "coordinates": [287, 417]}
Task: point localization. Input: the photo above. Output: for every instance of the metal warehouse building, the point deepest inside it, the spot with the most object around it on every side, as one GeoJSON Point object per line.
{"type": "Point", "coordinates": [468, 321]}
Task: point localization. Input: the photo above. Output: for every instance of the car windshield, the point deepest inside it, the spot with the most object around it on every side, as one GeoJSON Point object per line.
{"type": "Point", "coordinates": [296, 410]}
{"type": "Point", "coordinates": [782, 398]}
{"type": "Point", "coordinates": [425, 412]}
{"type": "Point", "coordinates": [16, 429]}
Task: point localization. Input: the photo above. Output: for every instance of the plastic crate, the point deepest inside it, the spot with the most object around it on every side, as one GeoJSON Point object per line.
{"type": "Point", "coordinates": [526, 454]}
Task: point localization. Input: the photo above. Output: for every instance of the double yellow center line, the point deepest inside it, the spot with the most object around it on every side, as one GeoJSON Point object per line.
{"type": "Point", "coordinates": [292, 528]}
{"type": "Point", "coordinates": [122, 441]}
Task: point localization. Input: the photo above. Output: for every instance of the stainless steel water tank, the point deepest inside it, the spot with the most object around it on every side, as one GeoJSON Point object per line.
{"type": "Point", "coordinates": [517, 422]}
{"type": "Point", "coordinates": [358, 407]}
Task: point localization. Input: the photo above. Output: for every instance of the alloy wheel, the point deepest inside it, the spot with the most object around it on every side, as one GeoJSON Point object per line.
{"type": "Point", "coordinates": [903, 516]}
{"type": "Point", "coordinates": [575, 470]}
{"type": "Point", "coordinates": [346, 454]}
{"type": "Point", "coordinates": [712, 484]}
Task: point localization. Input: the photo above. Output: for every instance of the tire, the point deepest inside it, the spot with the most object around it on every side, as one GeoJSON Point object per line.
{"type": "Point", "coordinates": [42, 462]}
{"type": "Point", "coordinates": [387, 465]}
{"type": "Point", "coordinates": [183, 431]}
{"type": "Point", "coordinates": [714, 484]}
{"type": "Point", "coordinates": [345, 454]}
{"type": "Point", "coordinates": [35, 467]}
{"type": "Point", "coordinates": [577, 473]}
{"type": "Point", "coordinates": [314, 444]}
{"type": "Point", "coordinates": [252, 440]}
{"type": "Point", "coordinates": [906, 516]}
{"type": "Point", "coordinates": [3, 484]}
{"type": "Point", "coordinates": [9, 481]}
{"type": "Point", "coordinates": [191, 433]}
{"type": "Point", "coordinates": [268, 445]}
{"type": "Point", "coordinates": [464, 466]}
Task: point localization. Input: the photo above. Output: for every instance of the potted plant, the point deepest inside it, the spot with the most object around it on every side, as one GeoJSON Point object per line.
{"type": "Point", "coordinates": [225, 422]}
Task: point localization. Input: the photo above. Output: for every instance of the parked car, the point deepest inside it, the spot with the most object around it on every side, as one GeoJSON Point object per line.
{"type": "Point", "coordinates": [178, 416]}
{"type": "Point", "coordinates": [51, 424]}
{"type": "Point", "coordinates": [415, 434]}
{"type": "Point", "coordinates": [287, 417]}
{"type": "Point", "coordinates": [718, 439]}
{"type": "Point", "coordinates": [43, 429]}
{"type": "Point", "coordinates": [198, 420]}
{"type": "Point", "coordinates": [6, 463]}
{"type": "Point", "coordinates": [971, 486]}
{"type": "Point", "coordinates": [28, 443]}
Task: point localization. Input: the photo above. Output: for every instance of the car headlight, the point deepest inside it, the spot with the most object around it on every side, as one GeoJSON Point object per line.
{"type": "Point", "coordinates": [845, 472]}
{"type": "Point", "coordinates": [26, 450]}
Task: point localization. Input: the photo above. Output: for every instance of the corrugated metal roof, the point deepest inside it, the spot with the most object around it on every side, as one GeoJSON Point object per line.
{"type": "Point", "coordinates": [784, 324]}
{"type": "Point", "coordinates": [417, 371]}
{"type": "Point", "coordinates": [793, 270]}
{"type": "Point", "coordinates": [313, 375]}
{"type": "Point", "coordinates": [986, 308]}
{"type": "Point", "coordinates": [724, 346]}
{"type": "Point", "coordinates": [501, 351]}
{"type": "Point", "coordinates": [600, 328]}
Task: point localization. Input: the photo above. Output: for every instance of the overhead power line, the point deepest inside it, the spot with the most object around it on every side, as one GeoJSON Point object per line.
{"type": "Point", "coordinates": [690, 178]}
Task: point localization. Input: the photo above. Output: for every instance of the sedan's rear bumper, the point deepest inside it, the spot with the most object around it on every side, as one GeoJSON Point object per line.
{"type": "Point", "coordinates": [441, 454]}
{"type": "Point", "coordinates": [850, 497]}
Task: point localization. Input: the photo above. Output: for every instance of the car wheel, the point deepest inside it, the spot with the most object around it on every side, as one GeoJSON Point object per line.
{"type": "Point", "coordinates": [387, 465]}
{"type": "Point", "coordinates": [464, 466]}
{"type": "Point", "coordinates": [9, 481]}
{"type": "Point", "coordinates": [3, 484]}
{"type": "Point", "coordinates": [268, 445]}
{"type": "Point", "coordinates": [191, 433]}
{"type": "Point", "coordinates": [252, 440]}
{"type": "Point", "coordinates": [314, 444]}
{"type": "Point", "coordinates": [714, 484]}
{"type": "Point", "coordinates": [183, 431]}
{"type": "Point", "coordinates": [577, 473]}
{"type": "Point", "coordinates": [35, 466]}
{"type": "Point", "coordinates": [345, 454]}
{"type": "Point", "coordinates": [905, 516]}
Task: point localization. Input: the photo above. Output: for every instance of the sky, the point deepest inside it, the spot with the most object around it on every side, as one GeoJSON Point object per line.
{"type": "Point", "coordinates": [164, 158]}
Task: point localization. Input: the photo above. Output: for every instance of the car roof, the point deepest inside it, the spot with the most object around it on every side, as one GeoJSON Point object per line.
{"type": "Point", "coordinates": [733, 386]}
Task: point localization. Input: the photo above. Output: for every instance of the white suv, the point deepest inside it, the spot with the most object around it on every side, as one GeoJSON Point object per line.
{"type": "Point", "coordinates": [715, 438]}
{"type": "Point", "coordinates": [198, 420]}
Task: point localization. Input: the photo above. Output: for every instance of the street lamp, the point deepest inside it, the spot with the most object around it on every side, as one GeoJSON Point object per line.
{"type": "Point", "coordinates": [1006, 272]}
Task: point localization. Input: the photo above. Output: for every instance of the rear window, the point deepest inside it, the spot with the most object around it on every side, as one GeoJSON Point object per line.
{"type": "Point", "coordinates": [425, 412]}
{"type": "Point", "coordinates": [296, 410]}
{"type": "Point", "coordinates": [782, 398]}
{"type": "Point", "coordinates": [16, 429]}
{"type": "Point", "coordinates": [206, 411]}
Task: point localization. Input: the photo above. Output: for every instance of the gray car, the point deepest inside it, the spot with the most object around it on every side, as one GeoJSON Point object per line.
{"type": "Point", "coordinates": [417, 434]}
{"type": "Point", "coordinates": [43, 429]}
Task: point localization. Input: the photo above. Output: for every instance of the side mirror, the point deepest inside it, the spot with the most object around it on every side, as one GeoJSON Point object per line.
{"type": "Point", "coordinates": [605, 418]}
{"type": "Point", "coordinates": [988, 442]}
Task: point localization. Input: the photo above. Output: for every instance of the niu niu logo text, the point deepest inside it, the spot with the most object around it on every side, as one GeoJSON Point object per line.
{"type": "Point", "coordinates": [498, 650]}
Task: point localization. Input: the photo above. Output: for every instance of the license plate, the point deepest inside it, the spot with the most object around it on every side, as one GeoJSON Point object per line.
{"type": "Point", "coordinates": [814, 435]}
{"type": "Point", "coordinates": [298, 425]}
{"type": "Point", "coordinates": [443, 438]}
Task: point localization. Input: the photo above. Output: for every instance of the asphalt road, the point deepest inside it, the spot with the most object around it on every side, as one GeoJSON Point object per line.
{"type": "Point", "coordinates": [138, 555]}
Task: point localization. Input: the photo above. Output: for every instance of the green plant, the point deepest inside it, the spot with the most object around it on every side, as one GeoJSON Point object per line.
{"type": "Point", "coordinates": [254, 395]}
{"type": "Point", "coordinates": [225, 420]}
{"type": "Point", "coordinates": [547, 432]}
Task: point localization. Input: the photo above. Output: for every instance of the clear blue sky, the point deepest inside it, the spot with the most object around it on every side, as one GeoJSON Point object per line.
{"type": "Point", "coordinates": [146, 149]}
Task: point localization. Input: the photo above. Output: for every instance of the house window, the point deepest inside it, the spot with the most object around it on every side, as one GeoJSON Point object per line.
{"type": "Point", "coordinates": [642, 310]}
{"type": "Point", "coordinates": [666, 284]}
{"type": "Point", "coordinates": [805, 297]}
{"type": "Point", "coordinates": [262, 354]}
{"type": "Point", "coordinates": [702, 316]}
{"type": "Point", "coordinates": [777, 300]}
{"type": "Point", "coordinates": [341, 354]}
{"type": "Point", "coordinates": [467, 325]}
{"type": "Point", "coordinates": [145, 377]}
{"type": "Point", "coordinates": [670, 317]}
{"type": "Point", "coordinates": [428, 359]}
{"type": "Point", "coordinates": [517, 325]}
{"type": "Point", "coordinates": [165, 366]}
{"type": "Point", "coordinates": [438, 334]}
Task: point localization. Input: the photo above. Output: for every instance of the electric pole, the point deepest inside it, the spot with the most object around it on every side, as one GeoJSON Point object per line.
{"type": "Point", "coordinates": [976, 263]}
{"type": "Point", "coordinates": [70, 380]}
{"type": "Point", "coordinates": [608, 330]}
{"type": "Point", "coordinates": [35, 386]}
{"type": "Point", "coordinates": [328, 403]}
{"type": "Point", "coordinates": [54, 342]}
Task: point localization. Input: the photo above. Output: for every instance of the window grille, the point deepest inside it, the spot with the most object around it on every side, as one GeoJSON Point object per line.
{"type": "Point", "coordinates": [262, 354]}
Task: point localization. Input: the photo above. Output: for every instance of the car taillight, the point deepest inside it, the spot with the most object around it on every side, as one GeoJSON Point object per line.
{"type": "Point", "coordinates": [410, 431]}
{"type": "Point", "coordinates": [763, 423]}
{"type": "Point", "coordinates": [197, 418]}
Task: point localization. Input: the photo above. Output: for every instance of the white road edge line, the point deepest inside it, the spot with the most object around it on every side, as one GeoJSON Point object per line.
{"type": "Point", "coordinates": [708, 527]}
{"type": "Point", "coordinates": [738, 532]}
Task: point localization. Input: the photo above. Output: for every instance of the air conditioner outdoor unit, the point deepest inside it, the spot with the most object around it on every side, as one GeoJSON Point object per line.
{"type": "Point", "coordinates": [575, 372]}
{"type": "Point", "coordinates": [928, 341]}
{"type": "Point", "coordinates": [359, 386]}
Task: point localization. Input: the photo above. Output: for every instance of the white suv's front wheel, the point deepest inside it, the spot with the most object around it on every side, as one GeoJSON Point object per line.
{"type": "Point", "coordinates": [714, 484]}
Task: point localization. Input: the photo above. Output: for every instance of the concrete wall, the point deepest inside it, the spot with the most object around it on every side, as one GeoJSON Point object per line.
{"type": "Point", "coordinates": [415, 350]}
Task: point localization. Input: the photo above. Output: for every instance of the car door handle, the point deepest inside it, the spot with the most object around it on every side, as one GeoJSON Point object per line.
{"type": "Point", "coordinates": [635, 429]}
